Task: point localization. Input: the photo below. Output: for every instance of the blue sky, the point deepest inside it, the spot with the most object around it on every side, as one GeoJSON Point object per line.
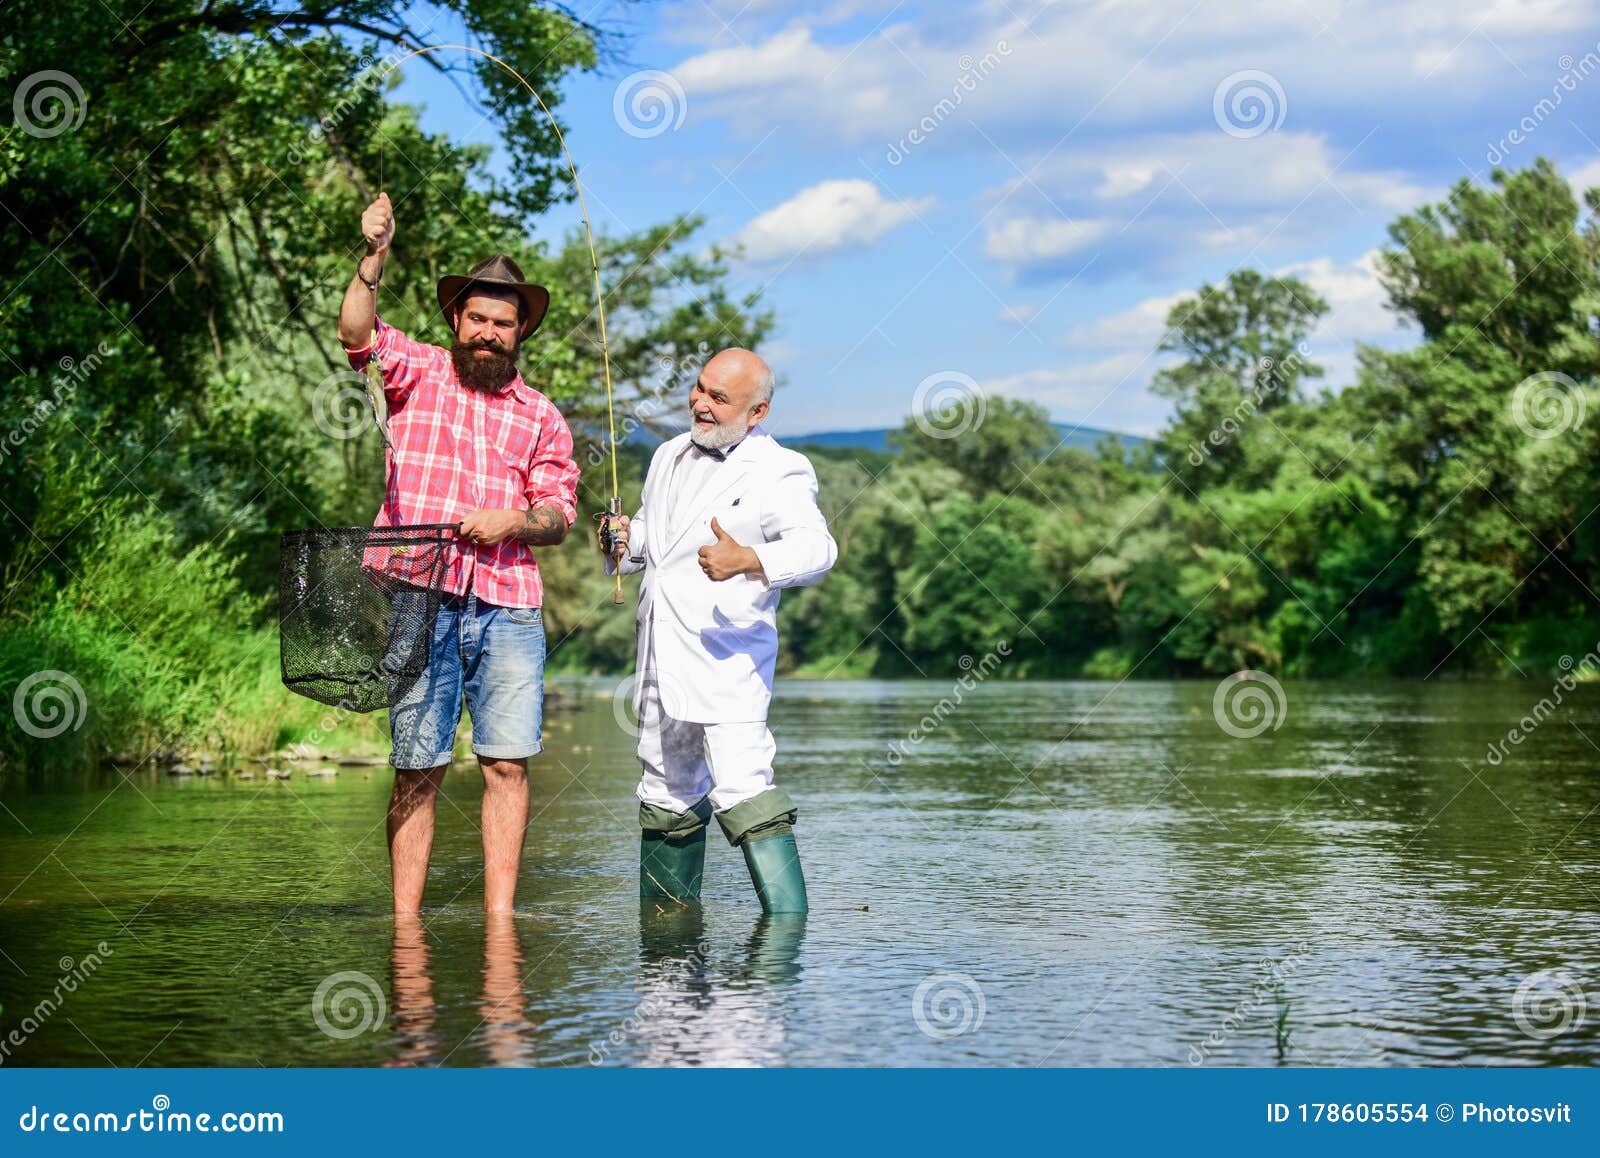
{"type": "Point", "coordinates": [1074, 169]}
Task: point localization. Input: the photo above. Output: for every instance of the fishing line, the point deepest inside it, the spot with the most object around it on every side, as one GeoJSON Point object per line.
{"type": "Point", "coordinates": [614, 507]}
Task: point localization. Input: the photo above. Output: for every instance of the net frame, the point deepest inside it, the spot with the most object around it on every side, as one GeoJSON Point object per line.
{"type": "Point", "coordinates": [357, 608]}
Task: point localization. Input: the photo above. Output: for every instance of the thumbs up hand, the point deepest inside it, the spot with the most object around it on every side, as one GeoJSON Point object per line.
{"type": "Point", "coordinates": [727, 557]}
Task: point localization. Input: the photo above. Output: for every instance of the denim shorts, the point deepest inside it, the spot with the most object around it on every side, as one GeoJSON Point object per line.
{"type": "Point", "coordinates": [494, 658]}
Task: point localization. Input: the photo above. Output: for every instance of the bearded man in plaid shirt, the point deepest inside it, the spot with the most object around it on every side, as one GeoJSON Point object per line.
{"type": "Point", "coordinates": [470, 443]}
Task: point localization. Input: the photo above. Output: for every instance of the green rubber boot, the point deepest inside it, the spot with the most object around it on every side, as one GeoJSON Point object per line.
{"type": "Point", "coordinates": [670, 867]}
{"type": "Point", "coordinates": [774, 865]}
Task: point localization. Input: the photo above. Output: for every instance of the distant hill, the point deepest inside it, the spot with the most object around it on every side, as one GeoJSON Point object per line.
{"type": "Point", "coordinates": [877, 438]}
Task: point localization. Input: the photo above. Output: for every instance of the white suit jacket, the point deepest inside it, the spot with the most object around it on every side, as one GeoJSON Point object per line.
{"type": "Point", "coordinates": [710, 648]}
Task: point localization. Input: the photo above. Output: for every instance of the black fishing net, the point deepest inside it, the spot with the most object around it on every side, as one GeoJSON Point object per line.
{"type": "Point", "coordinates": [356, 610]}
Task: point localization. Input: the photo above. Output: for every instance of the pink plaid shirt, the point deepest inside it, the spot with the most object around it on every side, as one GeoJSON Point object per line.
{"type": "Point", "coordinates": [458, 450]}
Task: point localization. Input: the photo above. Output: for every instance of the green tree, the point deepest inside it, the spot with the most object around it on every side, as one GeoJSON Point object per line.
{"type": "Point", "coordinates": [182, 225]}
{"type": "Point", "coordinates": [1479, 429]}
{"type": "Point", "coordinates": [1243, 349]}
{"type": "Point", "coordinates": [1005, 442]}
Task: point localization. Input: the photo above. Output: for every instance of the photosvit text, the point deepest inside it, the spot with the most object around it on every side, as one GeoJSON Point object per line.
{"type": "Point", "coordinates": [1378, 1113]}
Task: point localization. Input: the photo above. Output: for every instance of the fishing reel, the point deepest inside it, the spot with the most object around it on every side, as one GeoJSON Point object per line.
{"type": "Point", "coordinates": [611, 543]}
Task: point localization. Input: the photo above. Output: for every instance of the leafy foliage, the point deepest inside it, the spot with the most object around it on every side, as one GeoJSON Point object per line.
{"type": "Point", "coordinates": [1435, 517]}
{"type": "Point", "coordinates": [173, 262]}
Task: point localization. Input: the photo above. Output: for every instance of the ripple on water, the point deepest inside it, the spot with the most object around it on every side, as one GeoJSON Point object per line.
{"type": "Point", "coordinates": [1053, 873]}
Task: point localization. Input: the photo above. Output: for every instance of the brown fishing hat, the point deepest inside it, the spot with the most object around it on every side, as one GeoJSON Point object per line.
{"type": "Point", "coordinates": [500, 272]}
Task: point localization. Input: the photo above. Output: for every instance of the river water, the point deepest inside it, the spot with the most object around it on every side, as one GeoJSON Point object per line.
{"type": "Point", "coordinates": [1059, 874]}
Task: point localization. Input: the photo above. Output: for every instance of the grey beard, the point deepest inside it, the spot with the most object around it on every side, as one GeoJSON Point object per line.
{"type": "Point", "coordinates": [718, 436]}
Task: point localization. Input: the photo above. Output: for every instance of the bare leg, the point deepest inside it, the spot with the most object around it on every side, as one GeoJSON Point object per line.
{"type": "Point", "coordinates": [411, 833]}
{"type": "Point", "coordinates": [505, 821]}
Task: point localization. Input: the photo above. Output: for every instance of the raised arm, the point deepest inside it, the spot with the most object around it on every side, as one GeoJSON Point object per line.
{"type": "Point", "coordinates": [362, 333]}
{"type": "Point", "coordinates": [360, 308]}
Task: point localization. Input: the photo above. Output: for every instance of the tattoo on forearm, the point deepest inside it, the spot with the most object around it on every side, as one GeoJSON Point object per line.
{"type": "Point", "coordinates": [543, 527]}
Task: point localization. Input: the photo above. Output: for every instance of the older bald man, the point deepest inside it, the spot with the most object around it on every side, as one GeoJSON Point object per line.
{"type": "Point", "coordinates": [728, 519]}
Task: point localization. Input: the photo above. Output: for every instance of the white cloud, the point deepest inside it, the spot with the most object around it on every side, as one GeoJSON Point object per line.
{"type": "Point", "coordinates": [1154, 65]}
{"type": "Point", "coordinates": [829, 216]}
{"type": "Point", "coordinates": [1028, 239]}
{"type": "Point", "coordinates": [787, 58]}
{"type": "Point", "coordinates": [1214, 172]}
{"type": "Point", "coordinates": [1112, 390]}
{"type": "Point", "coordinates": [1357, 309]}
{"type": "Point", "coordinates": [1356, 299]}
{"type": "Point", "coordinates": [1357, 313]}
{"type": "Point", "coordinates": [1122, 179]}
{"type": "Point", "coordinates": [1109, 392]}
{"type": "Point", "coordinates": [1018, 315]}
{"type": "Point", "coordinates": [1584, 177]}
{"type": "Point", "coordinates": [1432, 60]}
{"type": "Point", "coordinates": [1124, 138]}
{"type": "Point", "coordinates": [1524, 16]}
{"type": "Point", "coordinates": [1247, 199]}
{"type": "Point", "coordinates": [1139, 327]}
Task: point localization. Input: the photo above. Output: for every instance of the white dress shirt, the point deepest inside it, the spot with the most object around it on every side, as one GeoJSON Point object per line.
{"type": "Point", "coordinates": [712, 646]}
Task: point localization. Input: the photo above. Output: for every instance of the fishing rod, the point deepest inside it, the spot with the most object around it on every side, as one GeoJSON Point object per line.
{"type": "Point", "coordinates": [613, 544]}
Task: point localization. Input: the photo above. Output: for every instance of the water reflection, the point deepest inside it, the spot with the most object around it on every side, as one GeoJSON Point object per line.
{"type": "Point", "coordinates": [508, 1034]}
{"type": "Point", "coordinates": [696, 1010]}
{"type": "Point", "coordinates": [1118, 881]}
{"type": "Point", "coordinates": [411, 982]}
{"type": "Point", "coordinates": [503, 1035]}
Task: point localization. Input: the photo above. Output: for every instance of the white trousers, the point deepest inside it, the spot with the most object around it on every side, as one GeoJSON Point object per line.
{"type": "Point", "coordinates": [684, 762]}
